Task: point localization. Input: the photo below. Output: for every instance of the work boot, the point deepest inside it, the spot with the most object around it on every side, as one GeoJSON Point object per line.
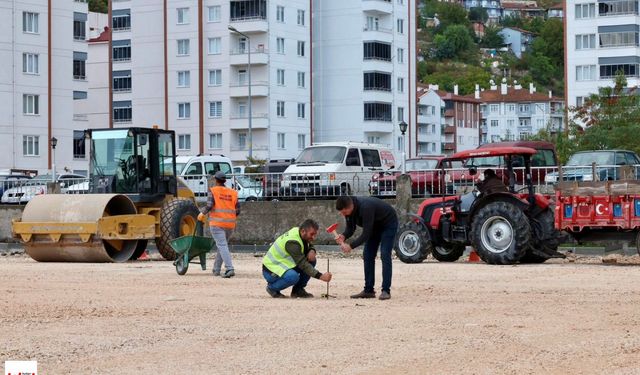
{"type": "Point", "coordinates": [274, 294]}
{"type": "Point", "coordinates": [300, 293]}
{"type": "Point", "coordinates": [384, 295]}
{"type": "Point", "coordinates": [229, 274]}
{"type": "Point", "coordinates": [216, 272]}
{"type": "Point", "coordinates": [364, 294]}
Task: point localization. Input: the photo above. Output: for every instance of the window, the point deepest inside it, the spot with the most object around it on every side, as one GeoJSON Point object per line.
{"type": "Point", "coordinates": [377, 81]}
{"type": "Point", "coordinates": [79, 151]}
{"type": "Point", "coordinates": [377, 51]}
{"type": "Point", "coordinates": [373, 139]}
{"type": "Point", "coordinates": [494, 108]}
{"type": "Point", "coordinates": [400, 25]}
{"type": "Point", "coordinates": [301, 141]}
{"type": "Point", "coordinates": [242, 110]}
{"type": "Point", "coordinates": [585, 41]}
{"type": "Point", "coordinates": [301, 110]}
{"type": "Point", "coordinates": [400, 84]}
{"type": "Point", "coordinates": [121, 19]}
{"type": "Point", "coordinates": [79, 66]}
{"type": "Point", "coordinates": [215, 109]}
{"type": "Point", "coordinates": [183, 47]}
{"type": "Point", "coordinates": [280, 76]}
{"type": "Point", "coordinates": [525, 122]}
{"type": "Point", "coordinates": [30, 145]}
{"type": "Point", "coordinates": [618, 39]}
{"type": "Point", "coordinates": [215, 77]}
{"type": "Point", "coordinates": [300, 17]}
{"type": "Point", "coordinates": [122, 81]}
{"type": "Point", "coordinates": [586, 10]}
{"type": "Point", "coordinates": [616, 7]}
{"type": "Point", "coordinates": [30, 22]}
{"type": "Point", "coordinates": [511, 123]}
{"type": "Point", "coordinates": [281, 141]}
{"type": "Point", "coordinates": [370, 158]}
{"type": "Point", "coordinates": [214, 46]}
{"type": "Point", "coordinates": [494, 123]}
{"type": "Point", "coordinates": [184, 142]}
{"type": "Point", "coordinates": [184, 111]}
{"type": "Point", "coordinates": [300, 48]}
{"type": "Point", "coordinates": [215, 140]}
{"type": "Point", "coordinates": [30, 104]}
{"type": "Point", "coordinates": [376, 111]}
{"type": "Point", "coordinates": [609, 71]}
{"type": "Point", "coordinates": [400, 56]}
{"type": "Point", "coordinates": [580, 100]}
{"type": "Point", "coordinates": [248, 10]}
{"type": "Point", "coordinates": [122, 111]}
{"type": "Point", "coordinates": [242, 45]}
{"type": "Point", "coordinates": [242, 141]}
{"type": "Point", "coordinates": [183, 15]}
{"type": "Point", "coordinates": [511, 108]}
{"type": "Point", "coordinates": [540, 123]}
{"type": "Point", "coordinates": [30, 63]}
{"type": "Point", "coordinates": [79, 26]}
{"type": "Point", "coordinates": [280, 13]}
{"type": "Point", "coordinates": [184, 78]}
{"type": "Point", "coordinates": [460, 140]}
{"type": "Point", "coordinates": [373, 23]}
{"type": "Point", "coordinates": [524, 108]}
{"type": "Point", "coordinates": [280, 108]}
{"type": "Point", "coordinates": [280, 45]}
{"type": "Point", "coordinates": [400, 114]}
{"type": "Point", "coordinates": [301, 83]}
{"type": "Point", "coordinates": [121, 50]}
{"type": "Point", "coordinates": [242, 77]}
{"type": "Point", "coordinates": [585, 72]}
{"type": "Point", "coordinates": [214, 13]}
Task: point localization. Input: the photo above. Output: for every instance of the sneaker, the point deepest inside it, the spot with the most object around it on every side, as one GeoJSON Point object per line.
{"type": "Point", "coordinates": [216, 273]}
{"type": "Point", "coordinates": [300, 293]}
{"type": "Point", "coordinates": [274, 294]}
{"type": "Point", "coordinates": [228, 274]}
{"type": "Point", "coordinates": [364, 294]}
{"type": "Point", "coordinates": [384, 295]}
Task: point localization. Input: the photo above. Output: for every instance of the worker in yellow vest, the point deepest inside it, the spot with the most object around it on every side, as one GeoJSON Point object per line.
{"type": "Point", "coordinates": [291, 261]}
{"type": "Point", "coordinates": [222, 207]}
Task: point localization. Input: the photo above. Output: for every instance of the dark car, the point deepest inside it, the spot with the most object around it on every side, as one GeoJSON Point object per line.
{"type": "Point", "coordinates": [273, 176]}
{"type": "Point", "coordinates": [608, 166]}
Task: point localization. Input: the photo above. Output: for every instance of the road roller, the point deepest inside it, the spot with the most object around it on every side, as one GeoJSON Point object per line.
{"type": "Point", "coordinates": [133, 195]}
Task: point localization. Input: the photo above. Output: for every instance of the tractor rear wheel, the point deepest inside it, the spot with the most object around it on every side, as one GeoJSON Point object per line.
{"type": "Point", "coordinates": [448, 253]}
{"type": "Point", "coordinates": [413, 243]}
{"type": "Point", "coordinates": [178, 217]}
{"type": "Point", "coordinates": [500, 233]}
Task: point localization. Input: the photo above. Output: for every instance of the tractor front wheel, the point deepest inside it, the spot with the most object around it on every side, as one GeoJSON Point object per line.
{"type": "Point", "coordinates": [413, 243]}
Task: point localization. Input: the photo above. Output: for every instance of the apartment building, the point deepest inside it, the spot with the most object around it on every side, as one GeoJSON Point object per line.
{"type": "Point", "coordinates": [184, 66]}
{"type": "Point", "coordinates": [363, 72]}
{"type": "Point", "coordinates": [493, 8]}
{"type": "Point", "coordinates": [512, 113]}
{"type": "Point", "coordinates": [601, 38]}
{"type": "Point", "coordinates": [431, 122]}
{"type": "Point", "coordinates": [43, 82]}
{"type": "Point", "coordinates": [462, 121]}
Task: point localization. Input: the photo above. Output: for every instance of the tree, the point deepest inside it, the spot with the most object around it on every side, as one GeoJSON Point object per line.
{"type": "Point", "coordinates": [492, 38]}
{"type": "Point", "coordinates": [99, 6]}
{"type": "Point", "coordinates": [454, 42]}
{"type": "Point", "coordinates": [542, 68]}
{"type": "Point", "coordinates": [450, 14]}
{"type": "Point", "coordinates": [478, 15]}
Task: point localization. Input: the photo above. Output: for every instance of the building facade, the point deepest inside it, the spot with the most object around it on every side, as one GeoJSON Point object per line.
{"type": "Point", "coordinates": [518, 40]}
{"type": "Point", "coordinates": [601, 38]}
{"type": "Point", "coordinates": [430, 122]}
{"type": "Point", "coordinates": [43, 82]}
{"type": "Point", "coordinates": [462, 122]}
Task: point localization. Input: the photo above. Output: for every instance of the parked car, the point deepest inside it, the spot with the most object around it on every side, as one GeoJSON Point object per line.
{"type": "Point", "coordinates": [12, 180]}
{"type": "Point", "coordinates": [608, 163]}
{"type": "Point", "coordinates": [196, 171]}
{"type": "Point", "coordinates": [38, 185]}
{"type": "Point", "coordinates": [425, 178]}
{"type": "Point", "coordinates": [248, 188]}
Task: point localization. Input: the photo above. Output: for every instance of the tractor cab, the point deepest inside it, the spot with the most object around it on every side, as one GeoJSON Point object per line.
{"type": "Point", "coordinates": [138, 162]}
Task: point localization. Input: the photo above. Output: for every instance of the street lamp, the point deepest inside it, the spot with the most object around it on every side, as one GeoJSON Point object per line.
{"type": "Point", "coordinates": [403, 128]}
{"type": "Point", "coordinates": [54, 143]}
{"type": "Point", "coordinates": [233, 29]}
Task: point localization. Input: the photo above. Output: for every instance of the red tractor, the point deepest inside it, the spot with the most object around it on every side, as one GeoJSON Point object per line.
{"type": "Point", "coordinates": [503, 227]}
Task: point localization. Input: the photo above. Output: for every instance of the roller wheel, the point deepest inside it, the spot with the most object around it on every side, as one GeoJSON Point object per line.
{"type": "Point", "coordinates": [178, 217]}
{"type": "Point", "coordinates": [501, 233]}
{"type": "Point", "coordinates": [413, 243]}
{"type": "Point", "coordinates": [448, 253]}
{"type": "Point", "coordinates": [140, 248]}
{"type": "Point", "coordinates": [181, 266]}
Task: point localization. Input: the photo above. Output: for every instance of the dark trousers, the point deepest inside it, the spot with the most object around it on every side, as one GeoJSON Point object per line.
{"type": "Point", "coordinates": [293, 277]}
{"type": "Point", "coordinates": [384, 239]}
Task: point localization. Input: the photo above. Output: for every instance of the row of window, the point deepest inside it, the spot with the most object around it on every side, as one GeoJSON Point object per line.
{"type": "Point", "coordinates": [606, 40]}
{"type": "Point", "coordinates": [510, 108]}
{"type": "Point", "coordinates": [31, 24]}
{"type": "Point", "coordinates": [588, 72]}
{"type": "Point", "coordinates": [381, 51]}
{"type": "Point", "coordinates": [31, 145]}
{"type": "Point", "coordinates": [216, 141]}
{"type": "Point", "coordinates": [31, 64]}
{"type": "Point", "coordinates": [380, 81]}
{"type": "Point", "coordinates": [373, 24]}
{"type": "Point", "coordinates": [521, 122]}
{"type": "Point", "coordinates": [606, 8]}
{"type": "Point", "coordinates": [380, 111]}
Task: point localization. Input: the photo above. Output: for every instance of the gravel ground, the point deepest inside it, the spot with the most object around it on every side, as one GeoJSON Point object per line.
{"type": "Point", "coordinates": [576, 316]}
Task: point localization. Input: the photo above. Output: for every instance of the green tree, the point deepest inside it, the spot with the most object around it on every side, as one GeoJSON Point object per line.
{"type": "Point", "coordinates": [456, 41]}
{"type": "Point", "coordinates": [450, 14]}
{"type": "Point", "coordinates": [550, 42]}
{"type": "Point", "coordinates": [492, 38]}
{"type": "Point", "coordinates": [99, 6]}
{"type": "Point", "coordinates": [478, 15]}
{"type": "Point", "coordinates": [542, 68]}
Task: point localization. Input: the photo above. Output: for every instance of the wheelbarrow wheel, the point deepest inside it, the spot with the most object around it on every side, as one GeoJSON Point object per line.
{"type": "Point", "coordinates": [181, 266]}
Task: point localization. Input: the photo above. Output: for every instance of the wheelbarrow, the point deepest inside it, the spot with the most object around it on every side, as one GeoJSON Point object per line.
{"type": "Point", "coordinates": [189, 247]}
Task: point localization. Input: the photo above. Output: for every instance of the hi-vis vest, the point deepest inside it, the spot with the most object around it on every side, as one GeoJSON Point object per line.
{"type": "Point", "coordinates": [277, 260]}
{"type": "Point", "coordinates": [223, 213]}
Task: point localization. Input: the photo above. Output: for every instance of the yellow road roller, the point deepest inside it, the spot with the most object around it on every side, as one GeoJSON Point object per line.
{"type": "Point", "coordinates": [134, 195]}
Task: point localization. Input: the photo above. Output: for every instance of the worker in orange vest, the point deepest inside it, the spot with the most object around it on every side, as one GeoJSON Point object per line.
{"type": "Point", "coordinates": [222, 207]}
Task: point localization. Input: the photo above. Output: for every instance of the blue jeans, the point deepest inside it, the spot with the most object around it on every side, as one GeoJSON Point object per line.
{"type": "Point", "coordinates": [384, 239]}
{"type": "Point", "coordinates": [293, 277]}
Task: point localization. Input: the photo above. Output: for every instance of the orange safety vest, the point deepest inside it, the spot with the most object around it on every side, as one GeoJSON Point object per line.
{"type": "Point", "coordinates": [223, 212]}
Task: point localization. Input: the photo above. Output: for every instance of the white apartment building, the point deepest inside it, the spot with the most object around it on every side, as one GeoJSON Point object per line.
{"type": "Point", "coordinates": [601, 38]}
{"type": "Point", "coordinates": [43, 80]}
{"type": "Point", "coordinates": [364, 72]}
{"type": "Point", "coordinates": [513, 113]}
{"type": "Point", "coordinates": [430, 122]}
{"type": "Point", "coordinates": [182, 68]}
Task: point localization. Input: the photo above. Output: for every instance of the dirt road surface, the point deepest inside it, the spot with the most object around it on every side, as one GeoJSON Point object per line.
{"type": "Point", "coordinates": [578, 317]}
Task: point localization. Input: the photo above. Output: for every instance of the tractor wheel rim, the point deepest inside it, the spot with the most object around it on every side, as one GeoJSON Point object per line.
{"type": "Point", "coordinates": [444, 251]}
{"type": "Point", "coordinates": [409, 243]}
{"type": "Point", "coordinates": [187, 226]}
{"type": "Point", "coordinates": [497, 234]}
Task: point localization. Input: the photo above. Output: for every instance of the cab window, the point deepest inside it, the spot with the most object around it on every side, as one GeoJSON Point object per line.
{"type": "Point", "coordinates": [353, 158]}
{"type": "Point", "coordinates": [213, 167]}
{"type": "Point", "coordinates": [543, 158]}
{"type": "Point", "coordinates": [194, 169]}
{"type": "Point", "coordinates": [371, 158]}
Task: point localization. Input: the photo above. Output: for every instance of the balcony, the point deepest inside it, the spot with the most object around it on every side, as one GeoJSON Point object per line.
{"type": "Point", "coordinates": [250, 24]}
{"type": "Point", "coordinates": [377, 6]}
{"type": "Point", "coordinates": [245, 147]}
{"type": "Point", "coordinates": [378, 126]}
{"type": "Point", "coordinates": [258, 88]}
{"type": "Point", "coordinates": [449, 147]}
{"type": "Point", "coordinates": [449, 130]}
{"type": "Point", "coordinates": [378, 33]}
{"type": "Point", "coordinates": [484, 128]}
{"type": "Point", "coordinates": [259, 56]}
{"type": "Point", "coordinates": [241, 121]}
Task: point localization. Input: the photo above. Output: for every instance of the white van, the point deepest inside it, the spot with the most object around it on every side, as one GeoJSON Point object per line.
{"type": "Point", "coordinates": [196, 170]}
{"type": "Point", "coordinates": [335, 168]}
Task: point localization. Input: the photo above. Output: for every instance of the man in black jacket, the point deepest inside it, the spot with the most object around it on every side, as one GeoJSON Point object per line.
{"type": "Point", "coordinates": [379, 224]}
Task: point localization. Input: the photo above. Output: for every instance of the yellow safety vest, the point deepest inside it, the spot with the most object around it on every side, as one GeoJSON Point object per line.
{"type": "Point", "coordinates": [277, 259]}
{"type": "Point", "coordinates": [223, 213]}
